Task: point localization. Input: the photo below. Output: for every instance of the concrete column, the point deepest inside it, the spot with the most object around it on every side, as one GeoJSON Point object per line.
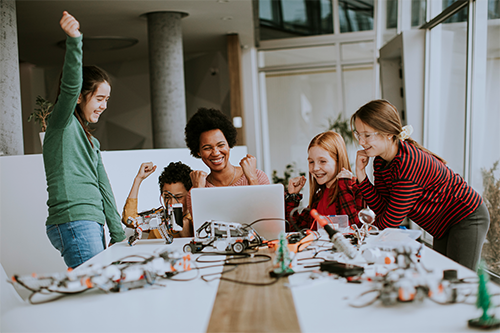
{"type": "Point", "coordinates": [166, 70]}
{"type": "Point", "coordinates": [11, 126]}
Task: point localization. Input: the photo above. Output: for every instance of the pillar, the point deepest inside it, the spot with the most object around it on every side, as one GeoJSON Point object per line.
{"type": "Point", "coordinates": [166, 69]}
{"type": "Point", "coordinates": [11, 127]}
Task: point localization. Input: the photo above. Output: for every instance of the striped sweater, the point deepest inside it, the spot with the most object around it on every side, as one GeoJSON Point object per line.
{"type": "Point", "coordinates": [417, 185]}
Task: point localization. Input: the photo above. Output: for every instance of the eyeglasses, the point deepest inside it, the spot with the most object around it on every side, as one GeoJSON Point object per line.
{"type": "Point", "coordinates": [365, 136]}
{"type": "Point", "coordinates": [168, 197]}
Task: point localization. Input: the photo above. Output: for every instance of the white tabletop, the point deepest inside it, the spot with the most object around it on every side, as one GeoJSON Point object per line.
{"type": "Point", "coordinates": [178, 307]}
{"type": "Point", "coordinates": [321, 305]}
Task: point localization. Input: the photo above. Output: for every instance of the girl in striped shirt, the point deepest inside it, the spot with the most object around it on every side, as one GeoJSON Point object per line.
{"type": "Point", "coordinates": [410, 181]}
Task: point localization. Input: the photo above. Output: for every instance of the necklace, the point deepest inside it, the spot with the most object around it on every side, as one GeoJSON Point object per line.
{"type": "Point", "coordinates": [234, 175]}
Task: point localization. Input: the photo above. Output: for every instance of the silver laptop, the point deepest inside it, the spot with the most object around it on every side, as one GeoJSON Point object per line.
{"type": "Point", "coordinates": [242, 204]}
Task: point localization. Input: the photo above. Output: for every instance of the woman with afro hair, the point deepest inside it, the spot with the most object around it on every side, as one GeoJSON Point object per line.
{"type": "Point", "coordinates": [210, 135]}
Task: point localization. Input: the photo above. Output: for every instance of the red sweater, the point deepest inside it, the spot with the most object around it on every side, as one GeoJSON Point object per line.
{"type": "Point", "coordinates": [418, 185]}
{"type": "Point", "coordinates": [349, 202]}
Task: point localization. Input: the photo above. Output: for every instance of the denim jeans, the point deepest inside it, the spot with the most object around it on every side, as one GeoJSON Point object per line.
{"type": "Point", "coordinates": [78, 241]}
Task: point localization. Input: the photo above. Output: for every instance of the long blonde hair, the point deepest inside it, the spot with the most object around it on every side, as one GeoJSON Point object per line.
{"type": "Point", "coordinates": [333, 143]}
{"type": "Point", "coordinates": [384, 117]}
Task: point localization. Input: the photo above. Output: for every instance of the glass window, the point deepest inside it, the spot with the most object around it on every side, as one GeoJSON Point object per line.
{"type": "Point", "coordinates": [298, 56]}
{"type": "Point", "coordinates": [392, 14]}
{"type": "Point", "coordinates": [493, 9]}
{"type": "Point", "coordinates": [418, 10]}
{"type": "Point", "coordinates": [299, 107]}
{"type": "Point", "coordinates": [294, 18]}
{"type": "Point", "coordinates": [447, 93]}
{"type": "Point", "coordinates": [295, 13]}
{"type": "Point", "coordinates": [266, 10]}
{"type": "Point", "coordinates": [461, 16]}
{"type": "Point", "coordinates": [355, 15]}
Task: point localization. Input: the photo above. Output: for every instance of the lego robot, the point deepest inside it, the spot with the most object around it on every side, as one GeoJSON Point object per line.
{"type": "Point", "coordinates": [223, 236]}
{"type": "Point", "coordinates": [166, 221]}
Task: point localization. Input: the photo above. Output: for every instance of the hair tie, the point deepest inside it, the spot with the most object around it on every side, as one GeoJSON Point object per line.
{"type": "Point", "coordinates": [406, 132]}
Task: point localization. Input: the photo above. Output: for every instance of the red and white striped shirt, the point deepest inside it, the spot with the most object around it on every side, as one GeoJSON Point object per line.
{"type": "Point", "coordinates": [418, 185]}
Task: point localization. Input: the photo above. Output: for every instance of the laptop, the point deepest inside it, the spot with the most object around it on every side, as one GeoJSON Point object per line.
{"type": "Point", "coordinates": [242, 204]}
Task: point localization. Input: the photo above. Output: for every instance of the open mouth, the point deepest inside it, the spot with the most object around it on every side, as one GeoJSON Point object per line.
{"type": "Point", "coordinates": [217, 161]}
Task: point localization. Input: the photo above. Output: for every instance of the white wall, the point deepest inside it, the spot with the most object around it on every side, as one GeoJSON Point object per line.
{"type": "Point", "coordinates": [24, 246]}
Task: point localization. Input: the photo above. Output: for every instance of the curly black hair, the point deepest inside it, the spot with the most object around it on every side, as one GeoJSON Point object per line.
{"type": "Point", "coordinates": [176, 172]}
{"type": "Point", "coordinates": [206, 120]}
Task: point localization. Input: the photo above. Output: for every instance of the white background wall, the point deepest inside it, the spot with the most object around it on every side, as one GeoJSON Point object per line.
{"type": "Point", "coordinates": [24, 246]}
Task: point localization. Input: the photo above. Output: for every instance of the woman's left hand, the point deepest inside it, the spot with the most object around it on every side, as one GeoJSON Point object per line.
{"type": "Point", "coordinates": [249, 166]}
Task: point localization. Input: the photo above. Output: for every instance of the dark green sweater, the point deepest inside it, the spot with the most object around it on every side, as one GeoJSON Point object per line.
{"type": "Point", "coordinates": [77, 182]}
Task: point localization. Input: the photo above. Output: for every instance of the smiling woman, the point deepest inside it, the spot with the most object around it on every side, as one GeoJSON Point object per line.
{"type": "Point", "coordinates": [210, 135]}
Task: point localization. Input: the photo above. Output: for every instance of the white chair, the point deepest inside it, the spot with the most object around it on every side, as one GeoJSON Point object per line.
{"type": "Point", "coordinates": [9, 298]}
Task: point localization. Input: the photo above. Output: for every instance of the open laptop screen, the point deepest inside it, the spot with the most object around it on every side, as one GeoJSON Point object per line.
{"type": "Point", "coordinates": [242, 204]}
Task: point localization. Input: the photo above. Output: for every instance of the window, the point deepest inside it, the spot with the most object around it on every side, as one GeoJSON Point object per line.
{"type": "Point", "coordinates": [355, 15]}
{"type": "Point", "coordinates": [294, 18]}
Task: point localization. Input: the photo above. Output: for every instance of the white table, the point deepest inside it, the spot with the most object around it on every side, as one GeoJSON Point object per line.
{"type": "Point", "coordinates": [178, 307]}
{"type": "Point", "coordinates": [321, 305]}
{"type": "Point", "coordinates": [324, 305]}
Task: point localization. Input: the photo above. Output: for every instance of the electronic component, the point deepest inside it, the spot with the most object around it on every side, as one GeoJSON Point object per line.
{"type": "Point", "coordinates": [223, 236]}
{"type": "Point", "coordinates": [165, 221]}
{"type": "Point", "coordinates": [119, 276]}
{"type": "Point", "coordinates": [341, 243]}
{"type": "Point", "coordinates": [341, 269]}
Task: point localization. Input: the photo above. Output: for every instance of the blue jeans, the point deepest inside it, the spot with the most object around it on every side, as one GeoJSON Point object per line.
{"type": "Point", "coordinates": [78, 241]}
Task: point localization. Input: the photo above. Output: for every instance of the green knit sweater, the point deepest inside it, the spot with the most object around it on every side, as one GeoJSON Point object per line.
{"type": "Point", "coordinates": [77, 182]}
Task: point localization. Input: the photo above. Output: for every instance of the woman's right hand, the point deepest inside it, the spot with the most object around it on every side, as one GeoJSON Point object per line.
{"type": "Point", "coordinates": [70, 25]}
{"type": "Point", "coordinates": [362, 160]}
{"type": "Point", "coordinates": [198, 178]}
{"type": "Point", "coordinates": [296, 184]}
{"type": "Point", "coordinates": [145, 170]}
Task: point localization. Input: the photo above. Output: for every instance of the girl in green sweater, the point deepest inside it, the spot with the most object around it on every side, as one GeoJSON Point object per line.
{"type": "Point", "coordinates": [80, 197]}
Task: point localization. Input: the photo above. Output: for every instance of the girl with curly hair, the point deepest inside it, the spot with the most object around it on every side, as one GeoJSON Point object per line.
{"type": "Point", "coordinates": [174, 182]}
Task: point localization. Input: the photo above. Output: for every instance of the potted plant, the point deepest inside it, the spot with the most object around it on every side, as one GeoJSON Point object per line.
{"type": "Point", "coordinates": [342, 127]}
{"type": "Point", "coordinates": [491, 196]}
{"type": "Point", "coordinates": [41, 113]}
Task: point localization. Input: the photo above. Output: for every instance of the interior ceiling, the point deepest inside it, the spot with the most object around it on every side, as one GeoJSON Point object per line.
{"type": "Point", "coordinates": [204, 29]}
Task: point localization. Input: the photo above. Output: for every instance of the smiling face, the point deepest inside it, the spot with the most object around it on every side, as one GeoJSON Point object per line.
{"type": "Point", "coordinates": [376, 144]}
{"type": "Point", "coordinates": [214, 149]}
{"type": "Point", "coordinates": [322, 166]}
{"type": "Point", "coordinates": [94, 105]}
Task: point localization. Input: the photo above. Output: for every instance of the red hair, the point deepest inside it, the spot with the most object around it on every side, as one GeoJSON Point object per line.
{"type": "Point", "coordinates": [334, 144]}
